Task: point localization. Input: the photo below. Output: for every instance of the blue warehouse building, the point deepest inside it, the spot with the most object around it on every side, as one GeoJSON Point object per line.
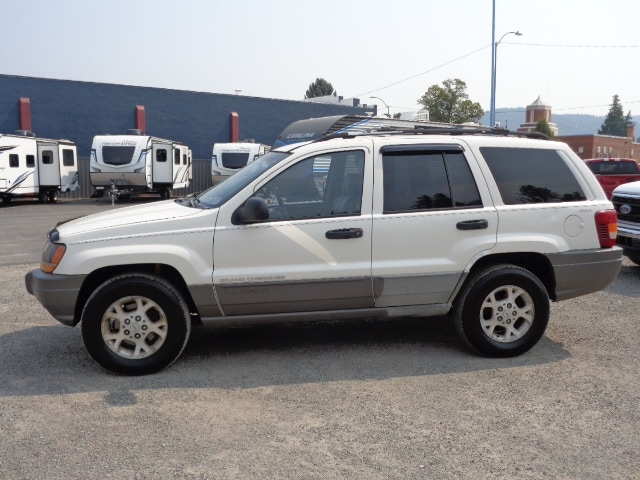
{"type": "Point", "coordinates": [74, 110]}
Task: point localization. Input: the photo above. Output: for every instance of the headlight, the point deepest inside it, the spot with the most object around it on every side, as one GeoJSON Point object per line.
{"type": "Point", "coordinates": [51, 256]}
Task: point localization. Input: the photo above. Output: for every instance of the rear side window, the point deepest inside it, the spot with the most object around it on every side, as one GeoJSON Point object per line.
{"type": "Point", "coordinates": [427, 179]}
{"type": "Point", "coordinates": [531, 175]}
{"type": "Point", "coordinates": [14, 160]}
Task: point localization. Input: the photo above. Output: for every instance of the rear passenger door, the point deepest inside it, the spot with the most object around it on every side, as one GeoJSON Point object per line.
{"type": "Point", "coordinates": [429, 222]}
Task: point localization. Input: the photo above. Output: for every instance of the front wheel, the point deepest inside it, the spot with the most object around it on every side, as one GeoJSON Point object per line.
{"type": "Point", "coordinates": [502, 311]}
{"type": "Point", "coordinates": [135, 324]}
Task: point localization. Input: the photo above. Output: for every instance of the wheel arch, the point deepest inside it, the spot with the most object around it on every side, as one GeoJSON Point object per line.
{"type": "Point", "coordinates": [167, 272]}
{"type": "Point", "coordinates": [536, 263]}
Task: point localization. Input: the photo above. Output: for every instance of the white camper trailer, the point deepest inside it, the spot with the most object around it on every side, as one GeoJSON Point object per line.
{"type": "Point", "coordinates": [36, 167]}
{"type": "Point", "coordinates": [228, 158]}
{"type": "Point", "coordinates": [126, 165]}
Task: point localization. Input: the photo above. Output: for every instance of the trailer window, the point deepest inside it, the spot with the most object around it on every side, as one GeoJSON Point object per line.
{"type": "Point", "coordinates": [117, 155]}
{"type": "Point", "coordinates": [176, 157]}
{"type": "Point", "coordinates": [31, 161]}
{"type": "Point", "coordinates": [184, 158]}
{"type": "Point", "coordinates": [47, 157]}
{"type": "Point", "coordinates": [14, 161]}
{"type": "Point", "coordinates": [68, 158]}
{"type": "Point", "coordinates": [161, 155]}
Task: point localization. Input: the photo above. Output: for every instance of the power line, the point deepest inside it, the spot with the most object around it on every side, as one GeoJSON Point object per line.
{"type": "Point", "coordinates": [425, 72]}
{"type": "Point", "coordinates": [569, 46]}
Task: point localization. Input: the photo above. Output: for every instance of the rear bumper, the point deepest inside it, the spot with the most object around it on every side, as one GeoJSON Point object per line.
{"type": "Point", "coordinates": [57, 293]}
{"type": "Point", "coordinates": [582, 272]}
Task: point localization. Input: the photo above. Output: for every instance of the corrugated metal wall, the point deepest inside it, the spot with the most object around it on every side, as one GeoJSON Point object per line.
{"type": "Point", "coordinates": [201, 180]}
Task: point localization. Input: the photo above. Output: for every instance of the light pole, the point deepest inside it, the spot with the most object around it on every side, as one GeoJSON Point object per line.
{"type": "Point", "coordinates": [385, 104]}
{"type": "Point", "coordinates": [494, 67]}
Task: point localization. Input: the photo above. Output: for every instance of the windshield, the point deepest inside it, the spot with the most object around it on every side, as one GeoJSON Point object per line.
{"type": "Point", "coordinates": [220, 193]}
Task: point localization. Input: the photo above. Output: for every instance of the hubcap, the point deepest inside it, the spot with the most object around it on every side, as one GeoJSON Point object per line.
{"type": "Point", "coordinates": [134, 327]}
{"type": "Point", "coordinates": [507, 313]}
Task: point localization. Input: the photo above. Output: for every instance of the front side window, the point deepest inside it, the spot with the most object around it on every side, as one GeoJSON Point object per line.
{"type": "Point", "coordinates": [47, 157]}
{"type": "Point", "coordinates": [532, 175]}
{"type": "Point", "coordinates": [427, 179]}
{"type": "Point", "coordinates": [321, 186]}
{"type": "Point", "coordinates": [68, 158]}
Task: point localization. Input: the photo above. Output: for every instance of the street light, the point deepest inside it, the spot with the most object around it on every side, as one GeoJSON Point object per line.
{"type": "Point", "coordinates": [385, 104]}
{"type": "Point", "coordinates": [494, 67]}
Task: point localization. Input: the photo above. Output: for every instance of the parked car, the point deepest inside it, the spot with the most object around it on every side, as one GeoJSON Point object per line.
{"type": "Point", "coordinates": [483, 226]}
{"type": "Point", "coordinates": [626, 200]}
{"type": "Point", "coordinates": [612, 172]}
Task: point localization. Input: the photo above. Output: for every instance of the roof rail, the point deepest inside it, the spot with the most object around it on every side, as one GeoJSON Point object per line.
{"type": "Point", "coordinates": [436, 130]}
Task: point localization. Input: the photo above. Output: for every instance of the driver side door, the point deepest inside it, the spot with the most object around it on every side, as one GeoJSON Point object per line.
{"type": "Point", "coordinates": [313, 253]}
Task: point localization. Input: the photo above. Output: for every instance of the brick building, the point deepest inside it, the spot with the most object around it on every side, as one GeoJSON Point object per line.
{"type": "Point", "coordinates": [604, 146]}
{"type": "Point", "coordinates": [537, 111]}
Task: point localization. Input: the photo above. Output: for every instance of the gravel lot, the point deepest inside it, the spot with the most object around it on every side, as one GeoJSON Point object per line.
{"type": "Point", "coordinates": [399, 399]}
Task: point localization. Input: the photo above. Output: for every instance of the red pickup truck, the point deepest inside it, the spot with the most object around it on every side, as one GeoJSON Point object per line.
{"type": "Point", "coordinates": [612, 172]}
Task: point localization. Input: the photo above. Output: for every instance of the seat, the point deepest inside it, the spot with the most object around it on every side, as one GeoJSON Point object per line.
{"type": "Point", "coordinates": [351, 199]}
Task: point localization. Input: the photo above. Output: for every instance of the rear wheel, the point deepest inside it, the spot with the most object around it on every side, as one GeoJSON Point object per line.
{"type": "Point", "coordinates": [135, 324]}
{"type": "Point", "coordinates": [502, 311]}
{"type": "Point", "coordinates": [52, 196]}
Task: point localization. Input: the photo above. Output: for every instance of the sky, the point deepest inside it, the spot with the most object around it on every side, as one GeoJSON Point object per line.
{"type": "Point", "coordinates": [575, 54]}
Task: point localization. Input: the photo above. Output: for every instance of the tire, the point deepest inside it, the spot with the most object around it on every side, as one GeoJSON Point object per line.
{"type": "Point", "coordinates": [165, 193]}
{"type": "Point", "coordinates": [634, 257]}
{"type": "Point", "coordinates": [52, 196]}
{"type": "Point", "coordinates": [502, 311]}
{"type": "Point", "coordinates": [135, 324]}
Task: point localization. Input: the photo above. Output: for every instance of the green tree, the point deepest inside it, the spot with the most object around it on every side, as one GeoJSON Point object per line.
{"type": "Point", "coordinates": [450, 103]}
{"type": "Point", "coordinates": [543, 127]}
{"type": "Point", "coordinates": [319, 88]}
{"type": "Point", "coordinates": [616, 123]}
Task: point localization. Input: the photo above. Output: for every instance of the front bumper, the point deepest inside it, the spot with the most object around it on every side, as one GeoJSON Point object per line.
{"type": "Point", "coordinates": [580, 272]}
{"type": "Point", "coordinates": [57, 293]}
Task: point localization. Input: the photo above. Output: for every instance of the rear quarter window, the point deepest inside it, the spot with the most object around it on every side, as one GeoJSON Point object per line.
{"type": "Point", "coordinates": [531, 175]}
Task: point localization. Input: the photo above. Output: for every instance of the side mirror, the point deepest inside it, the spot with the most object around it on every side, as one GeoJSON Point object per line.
{"type": "Point", "coordinates": [254, 210]}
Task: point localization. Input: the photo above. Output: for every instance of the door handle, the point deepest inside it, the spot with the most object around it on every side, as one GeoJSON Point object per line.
{"type": "Point", "coordinates": [344, 233]}
{"type": "Point", "coordinates": [472, 225]}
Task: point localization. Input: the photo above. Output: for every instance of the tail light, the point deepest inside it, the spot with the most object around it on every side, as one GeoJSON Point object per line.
{"type": "Point", "coordinates": [607, 225]}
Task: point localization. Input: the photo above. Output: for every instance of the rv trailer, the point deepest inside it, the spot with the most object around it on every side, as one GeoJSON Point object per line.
{"type": "Point", "coordinates": [36, 167]}
{"type": "Point", "coordinates": [228, 158]}
{"type": "Point", "coordinates": [126, 165]}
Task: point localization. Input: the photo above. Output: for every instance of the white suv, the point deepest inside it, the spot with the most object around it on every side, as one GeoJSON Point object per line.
{"type": "Point", "coordinates": [477, 224]}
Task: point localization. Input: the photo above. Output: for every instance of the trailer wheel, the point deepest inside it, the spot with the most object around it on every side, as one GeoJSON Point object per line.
{"type": "Point", "coordinates": [52, 196]}
{"type": "Point", "coordinates": [165, 193]}
{"type": "Point", "coordinates": [6, 200]}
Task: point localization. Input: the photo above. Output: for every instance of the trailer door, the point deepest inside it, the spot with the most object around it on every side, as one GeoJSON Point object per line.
{"type": "Point", "coordinates": [48, 166]}
{"type": "Point", "coordinates": [162, 163]}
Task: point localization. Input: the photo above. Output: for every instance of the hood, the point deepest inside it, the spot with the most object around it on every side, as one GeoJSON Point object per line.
{"type": "Point", "coordinates": [134, 219]}
{"type": "Point", "coordinates": [631, 188]}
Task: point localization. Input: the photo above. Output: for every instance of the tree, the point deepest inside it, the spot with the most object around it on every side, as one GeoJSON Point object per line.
{"type": "Point", "coordinates": [543, 127]}
{"type": "Point", "coordinates": [319, 88]}
{"type": "Point", "coordinates": [615, 123]}
{"type": "Point", "coordinates": [450, 103]}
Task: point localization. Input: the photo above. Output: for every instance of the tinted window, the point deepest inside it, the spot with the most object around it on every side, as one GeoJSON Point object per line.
{"type": "Point", "coordinates": [31, 161]}
{"type": "Point", "coordinates": [117, 155]}
{"type": "Point", "coordinates": [424, 180]}
{"type": "Point", "coordinates": [68, 158]}
{"type": "Point", "coordinates": [47, 157]}
{"type": "Point", "coordinates": [176, 157]}
{"type": "Point", "coordinates": [14, 161]}
{"type": "Point", "coordinates": [531, 175]}
{"type": "Point", "coordinates": [161, 155]}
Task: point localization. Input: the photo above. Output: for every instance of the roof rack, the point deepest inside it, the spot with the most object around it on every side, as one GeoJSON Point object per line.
{"type": "Point", "coordinates": [436, 130]}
